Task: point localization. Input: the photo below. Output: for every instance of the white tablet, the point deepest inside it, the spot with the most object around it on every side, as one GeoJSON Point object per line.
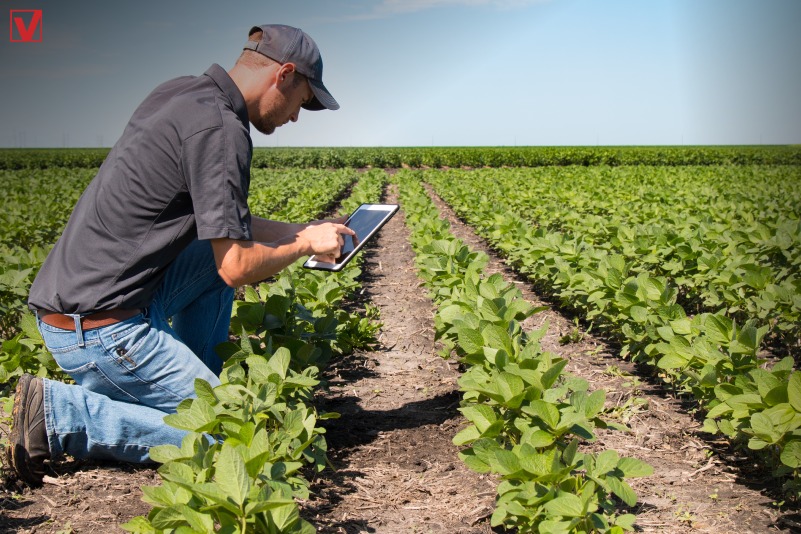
{"type": "Point", "coordinates": [365, 221]}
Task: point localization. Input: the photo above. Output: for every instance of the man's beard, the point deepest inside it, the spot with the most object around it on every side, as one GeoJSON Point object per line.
{"type": "Point", "coordinates": [264, 125]}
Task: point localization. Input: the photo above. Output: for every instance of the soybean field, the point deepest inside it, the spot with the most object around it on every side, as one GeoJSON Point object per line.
{"type": "Point", "coordinates": [544, 339]}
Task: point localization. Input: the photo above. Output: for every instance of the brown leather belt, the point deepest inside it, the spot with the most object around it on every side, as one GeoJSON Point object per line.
{"type": "Point", "coordinates": [88, 322]}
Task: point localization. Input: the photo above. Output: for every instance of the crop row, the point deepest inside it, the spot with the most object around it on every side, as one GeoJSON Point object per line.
{"type": "Point", "coordinates": [396, 157]}
{"type": "Point", "coordinates": [526, 415]}
{"type": "Point", "coordinates": [728, 238]}
{"type": "Point", "coordinates": [710, 355]}
{"type": "Point", "coordinates": [241, 466]}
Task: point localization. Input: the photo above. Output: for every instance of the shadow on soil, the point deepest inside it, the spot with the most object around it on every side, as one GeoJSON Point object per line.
{"type": "Point", "coordinates": [360, 427]}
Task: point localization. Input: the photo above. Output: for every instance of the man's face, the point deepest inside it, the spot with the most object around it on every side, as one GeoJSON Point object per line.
{"type": "Point", "coordinates": [281, 103]}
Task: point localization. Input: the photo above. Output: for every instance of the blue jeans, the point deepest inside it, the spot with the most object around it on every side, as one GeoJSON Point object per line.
{"type": "Point", "coordinates": [131, 374]}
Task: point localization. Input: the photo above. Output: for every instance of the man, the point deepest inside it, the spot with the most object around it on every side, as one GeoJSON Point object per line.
{"type": "Point", "coordinates": [138, 290]}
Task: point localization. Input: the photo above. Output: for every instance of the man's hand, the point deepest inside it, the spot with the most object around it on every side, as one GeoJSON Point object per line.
{"type": "Point", "coordinates": [246, 262]}
{"type": "Point", "coordinates": [325, 239]}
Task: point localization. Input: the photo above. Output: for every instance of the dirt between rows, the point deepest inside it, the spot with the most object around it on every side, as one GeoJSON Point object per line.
{"type": "Point", "coordinates": [395, 468]}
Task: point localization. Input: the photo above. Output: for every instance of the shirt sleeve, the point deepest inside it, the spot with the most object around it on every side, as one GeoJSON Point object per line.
{"type": "Point", "coordinates": [216, 163]}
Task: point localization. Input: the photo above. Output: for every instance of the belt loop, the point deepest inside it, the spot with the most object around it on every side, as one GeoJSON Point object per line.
{"type": "Point", "coordinates": [78, 330]}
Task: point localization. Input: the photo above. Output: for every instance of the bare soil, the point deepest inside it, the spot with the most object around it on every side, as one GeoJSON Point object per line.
{"type": "Point", "coordinates": [395, 468]}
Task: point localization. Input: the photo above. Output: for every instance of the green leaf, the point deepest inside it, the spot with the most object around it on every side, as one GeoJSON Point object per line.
{"type": "Point", "coordinates": [168, 494]}
{"type": "Point", "coordinates": [682, 326]}
{"type": "Point", "coordinates": [213, 493]}
{"type": "Point", "coordinates": [533, 462]}
{"type": "Point", "coordinates": [177, 472]}
{"type": "Point", "coordinates": [251, 295]}
{"type": "Point", "coordinates": [538, 438]}
{"type": "Point", "coordinates": [268, 504]}
{"type": "Point", "coordinates": [139, 525]}
{"type": "Point", "coordinates": [474, 462]}
{"type": "Point", "coordinates": [285, 516]}
{"type": "Point", "coordinates": [639, 314]}
{"type": "Point", "coordinates": [165, 453]}
{"type": "Point", "coordinates": [450, 314]}
{"type": "Point", "coordinates": [506, 462]}
{"type": "Point", "coordinates": [671, 361]}
{"type": "Point", "coordinates": [27, 324]}
{"type": "Point", "coordinates": [246, 433]}
{"type": "Point", "coordinates": [301, 381]}
{"type": "Point", "coordinates": [545, 411]}
{"type": "Point", "coordinates": [200, 417]}
{"type": "Point", "coordinates": [794, 391]}
{"type": "Point", "coordinates": [277, 306]}
{"type": "Point", "coordinates": [570, 452]}
{"type": "Point", "coordinates": [498, 338]}
{"type": "Point", "coordinates": [614, 278]}
{"type": "Point", "coordinates": [566, 505]}
{"type": "Point", "coordinates": [200, 522]}
{"type": "Point", "coordinates": [653, 288]}
{"type": "Point", "coordinates": [595, 403]}
{"type": "Point", "coordinates": [480, 415]}
{"type": "Point", "coordinates": [764, 427]}
{"type": "Point", "coordinates": [467, 435]}
{"type": "Point", "coordinates": [549, 377]}
{"type": "Point", "coordinates": [168, 518]}
{"type": "Point", "coordinates": [606, 461]}
{"type": "Point", "coordinates": [204, 391]}
{"type": "Point", "coordinates": [470, 340]}
{"type": "Point", "coordinates": [259, 369]}
{"type": "Point", "coordinates": [626, 521]}
{"type": "Point", "coordinates": [231, 475]}
{"type": "Point", "coordinates": [280, 361]}
{"type": "Point", "coordinates": [791, 454]}
{"type": "Point", "coordinates": [622, 490]}
{"type": "Point", "coordinates": [718, 329]}
{"type": "Point", "coordinates": [666, 333]}
{"type": "Point", "coordinates": [632, 468]}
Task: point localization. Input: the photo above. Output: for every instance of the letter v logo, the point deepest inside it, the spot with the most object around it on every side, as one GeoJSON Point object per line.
{"type": "Point", "coordinates": [28, 26]}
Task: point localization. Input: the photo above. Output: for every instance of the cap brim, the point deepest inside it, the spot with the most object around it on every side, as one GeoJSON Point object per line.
{"type": "Point", "coordinates": [322, 98]}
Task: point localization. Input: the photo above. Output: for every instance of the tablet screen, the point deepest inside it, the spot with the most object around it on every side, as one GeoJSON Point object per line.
{"type": "Point", "coordinates": [365, 221]}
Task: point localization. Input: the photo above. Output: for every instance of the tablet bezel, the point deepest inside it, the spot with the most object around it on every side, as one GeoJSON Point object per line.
{"type": "Point", "coordinates": [389, 211]}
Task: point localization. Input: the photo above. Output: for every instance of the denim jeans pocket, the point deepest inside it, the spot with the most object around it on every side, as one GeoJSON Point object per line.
{"type": "Point", "coordinates": [126, 340]}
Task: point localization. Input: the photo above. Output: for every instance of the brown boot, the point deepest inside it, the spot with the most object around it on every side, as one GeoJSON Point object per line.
{"type": "Point", "coordinates": [28, 447]}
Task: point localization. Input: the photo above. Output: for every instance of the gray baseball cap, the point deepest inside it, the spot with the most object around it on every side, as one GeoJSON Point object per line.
{"type": "Point", "coordinates": [286, 44]}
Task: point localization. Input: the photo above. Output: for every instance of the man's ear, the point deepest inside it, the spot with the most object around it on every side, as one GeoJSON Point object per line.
{"type": "Point", "coordinates": [284, 72]}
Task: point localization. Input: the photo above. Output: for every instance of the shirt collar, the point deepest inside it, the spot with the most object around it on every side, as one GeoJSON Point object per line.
{"type": "Point", "coordinates": [229, 88]}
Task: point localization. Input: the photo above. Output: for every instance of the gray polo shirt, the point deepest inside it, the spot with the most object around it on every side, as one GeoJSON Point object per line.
{"type": "Point", "coordinates": [180, 171]}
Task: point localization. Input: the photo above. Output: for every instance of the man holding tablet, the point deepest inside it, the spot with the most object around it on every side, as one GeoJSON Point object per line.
{"type": "Point", "coordinates": [138, 290]}
{"type": "Point", "coordinates": [365, 221]}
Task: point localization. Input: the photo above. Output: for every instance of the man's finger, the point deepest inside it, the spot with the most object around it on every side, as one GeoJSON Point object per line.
{"type": "Point", "coordinates": [342, 229]}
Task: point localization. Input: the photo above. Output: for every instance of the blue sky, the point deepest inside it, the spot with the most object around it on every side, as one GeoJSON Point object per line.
{"type": "Point", "coordinates": [431, 72]}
